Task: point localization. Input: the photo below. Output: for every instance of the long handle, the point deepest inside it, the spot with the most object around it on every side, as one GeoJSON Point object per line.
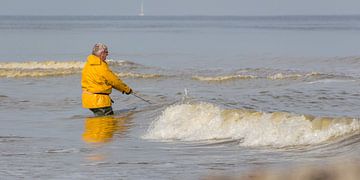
{"type": "Point", "coordinates": [141, 98]}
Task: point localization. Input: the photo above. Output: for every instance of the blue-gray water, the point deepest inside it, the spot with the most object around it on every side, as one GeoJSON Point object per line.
{"type": "Point", "coordinates": [229, 94]}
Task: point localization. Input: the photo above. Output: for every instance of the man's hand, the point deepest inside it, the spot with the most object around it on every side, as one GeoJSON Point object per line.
{"type": "Point", "coordinates": [127, 93]}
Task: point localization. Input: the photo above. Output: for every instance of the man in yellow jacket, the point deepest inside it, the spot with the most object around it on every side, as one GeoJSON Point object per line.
{"type": "Point", "coordinates": [97, 82]}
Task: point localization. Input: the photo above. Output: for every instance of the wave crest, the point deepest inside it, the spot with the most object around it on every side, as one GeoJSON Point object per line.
{"type": "Point", "coordinates": [205, 121]}
{"type": "Point", "coordinates": [57, 64]}
{"type": "Point", "coordinates": [138, 75]}
{"type": "Point", "coordinates": [280, 76]}
{"type": "Point", "coordinates": [271, 74]}
{"type": "Point", "coordinates": [36, 73]}
{"type": "Point", "coordinates": [113, 62]}
{"type": "Point", "coordinates": [223, 78]}
{"type": "Point", "coordinates": [58, 68]}
{"type": "Point", "coordinates": [42, 65]}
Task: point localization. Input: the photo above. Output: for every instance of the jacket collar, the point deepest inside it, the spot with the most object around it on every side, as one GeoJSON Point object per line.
{"type": "Point", "coordinates": [94, 60]}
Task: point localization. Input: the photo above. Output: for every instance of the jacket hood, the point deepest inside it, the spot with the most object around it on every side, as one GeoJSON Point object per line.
{"type": "Point", "coordinates": [92, 59]}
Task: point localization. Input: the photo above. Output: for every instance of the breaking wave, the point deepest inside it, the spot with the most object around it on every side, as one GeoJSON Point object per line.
{"type": "Point", "coordinates": [271, 74]}
{"type": "Point", "coordinates": [126, 69]}
{"type": "Point", "coordinates": [39, 69]}
{"type": "Point", "coordinates": [139, 75]}
{"type": "Point", "coordinates": [12, 73]}
{"type": "Point", "coordinates": [42, 65]}
{"type": "Point", "coordinates": [113, 62]}
{"type": "Point", "coordinates": [57, 64]}
{"type": "Point", "coordinates": [205, 121]}
{"type": "Point", "coordinates": [293, 75]}
{"type": "Point", "coordinates": [58, 68]}
{"type": "Point", "coordinates": [222, 78]}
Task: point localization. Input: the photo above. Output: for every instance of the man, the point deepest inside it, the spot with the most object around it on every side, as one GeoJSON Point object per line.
{"type": "Point", "coordinates": [97, 82]}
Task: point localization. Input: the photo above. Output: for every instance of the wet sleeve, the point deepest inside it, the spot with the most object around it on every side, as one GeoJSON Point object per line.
{"type": "Point", "coordinates": [115, 82]}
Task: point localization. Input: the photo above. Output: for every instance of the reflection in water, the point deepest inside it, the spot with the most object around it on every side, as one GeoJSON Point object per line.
{"type": "Point", "coordinates": [102, 129]}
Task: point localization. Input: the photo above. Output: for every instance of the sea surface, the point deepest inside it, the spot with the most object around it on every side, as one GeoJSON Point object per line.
{"type": "Point", "coordinates": [228, 94]}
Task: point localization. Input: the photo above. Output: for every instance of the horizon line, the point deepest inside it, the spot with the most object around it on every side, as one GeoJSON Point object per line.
{"type": "Point", "coordinates": [189, 15]}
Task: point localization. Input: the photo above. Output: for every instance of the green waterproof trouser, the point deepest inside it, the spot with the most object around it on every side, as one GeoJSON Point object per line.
{"type": "Point", "coordinates": [104, 111]}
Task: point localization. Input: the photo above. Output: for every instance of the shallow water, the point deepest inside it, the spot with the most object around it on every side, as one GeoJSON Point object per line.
{"type": "Point", "coordinates": [229, 94]}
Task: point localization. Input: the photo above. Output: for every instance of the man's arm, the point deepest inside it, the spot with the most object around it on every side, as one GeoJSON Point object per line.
{"type": "Point", "coordinates": [116, 82]}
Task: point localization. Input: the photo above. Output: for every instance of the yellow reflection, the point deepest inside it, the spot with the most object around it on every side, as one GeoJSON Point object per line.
{"type": "Point", "coordinates": [102, 129]}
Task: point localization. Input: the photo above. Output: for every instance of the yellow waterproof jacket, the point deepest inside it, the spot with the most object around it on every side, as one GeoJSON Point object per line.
{"type": "Point", "coordinates": [97, 82]}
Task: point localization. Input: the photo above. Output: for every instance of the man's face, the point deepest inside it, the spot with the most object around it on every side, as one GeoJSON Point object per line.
{"type": "Point", "coordinates": [104, 54]}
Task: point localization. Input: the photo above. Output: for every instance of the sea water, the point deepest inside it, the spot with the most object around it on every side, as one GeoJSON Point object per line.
{"type": "Point", "coordinates": [229, 94]}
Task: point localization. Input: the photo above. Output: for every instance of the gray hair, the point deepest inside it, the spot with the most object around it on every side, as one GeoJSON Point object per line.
{"type": "Point", "coordinates": [99, 48]}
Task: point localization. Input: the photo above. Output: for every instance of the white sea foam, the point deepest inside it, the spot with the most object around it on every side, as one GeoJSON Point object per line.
{"type": "Point", "coordinates": [113, 62]}
{"type": "Point", "coordinates": [13, 73]}
{"type": "Point", "coordinates": [205, 121]}
{"type": "Point", "coordinates": [280, 76]}
{"type": "Point", "coordinates": [58, 68]}
{"type": "Point", "coordinates": [39, 69]}
{"type": "Point", "coordinates": [257, 74]}
{"type": "Point", "coordinates": [222, 78]}
{"type": "Point", "coordinates": [138, 75]}
{"type": "Point", "coordinates": [28, 65]}
{"type": "Point", "coordinates": [42, 65]}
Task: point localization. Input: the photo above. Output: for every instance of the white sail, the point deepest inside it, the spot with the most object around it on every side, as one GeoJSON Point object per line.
{"type": "Point", "coordinates": [142, 9]}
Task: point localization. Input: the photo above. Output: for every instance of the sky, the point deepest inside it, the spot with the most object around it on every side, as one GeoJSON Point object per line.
{"type": "Point", "coordinates": [180, 7]}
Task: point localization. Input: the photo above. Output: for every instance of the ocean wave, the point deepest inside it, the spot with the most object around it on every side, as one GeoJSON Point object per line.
{"type": "Point", "coordinates": [293, 75]}
{"type": "Point", "coordinates": [58, 68]}
{"type": "Point", "coordinates": [12, 73]}
{"type": "Point", "coordinates": [138, 75]}
{"type": "Point", "coordinates": [113, 62]}
{"type": "Point", "coordinates": [42, 65]}
{"type": "Point", "coordinates": [223, 78]}
{"type": "Point", "coordinates": [205, 121]}
{"type": "Point", "coordinates": [57, 64]}
{"type": "Point", "coordinates": [270, 74]}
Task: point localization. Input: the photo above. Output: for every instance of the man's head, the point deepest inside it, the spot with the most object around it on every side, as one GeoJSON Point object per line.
{"type": "Point", "coordinates": [100, 50]}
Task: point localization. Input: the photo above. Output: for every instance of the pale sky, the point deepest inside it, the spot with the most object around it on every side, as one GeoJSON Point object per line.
{"type": "Point", "coordinates": [179, 7]}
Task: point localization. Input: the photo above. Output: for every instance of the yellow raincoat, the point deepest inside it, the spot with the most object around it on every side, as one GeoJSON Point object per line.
{"type": "Point", "coordinates": [97, 82]}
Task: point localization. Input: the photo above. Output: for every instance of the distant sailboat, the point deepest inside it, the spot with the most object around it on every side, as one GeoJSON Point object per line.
{"type": "Point", "coordinates": [142, 9]}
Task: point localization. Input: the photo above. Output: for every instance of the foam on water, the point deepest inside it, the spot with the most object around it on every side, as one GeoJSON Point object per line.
{"type": "Point", "coordinates": [42, 65]}
{"type": "Point", "coordinates": [205, 121]}
{"type": "Point", "coordinates": [292, 75]}
{"type": "Point", "coordinates": [56, 64]}
{"type": "Point", "coordinates": [257, 74]}
{"type": "Point", "coordinates": [114, 62]}
{"type": "Point", "coordinates": [36, 72]}
{"type": "Point", "coordinates": [223, 78]}
{"type": "Point", "coordinates": [59, 68]}
{"type": "Point", "coordinates": [138, 75]}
